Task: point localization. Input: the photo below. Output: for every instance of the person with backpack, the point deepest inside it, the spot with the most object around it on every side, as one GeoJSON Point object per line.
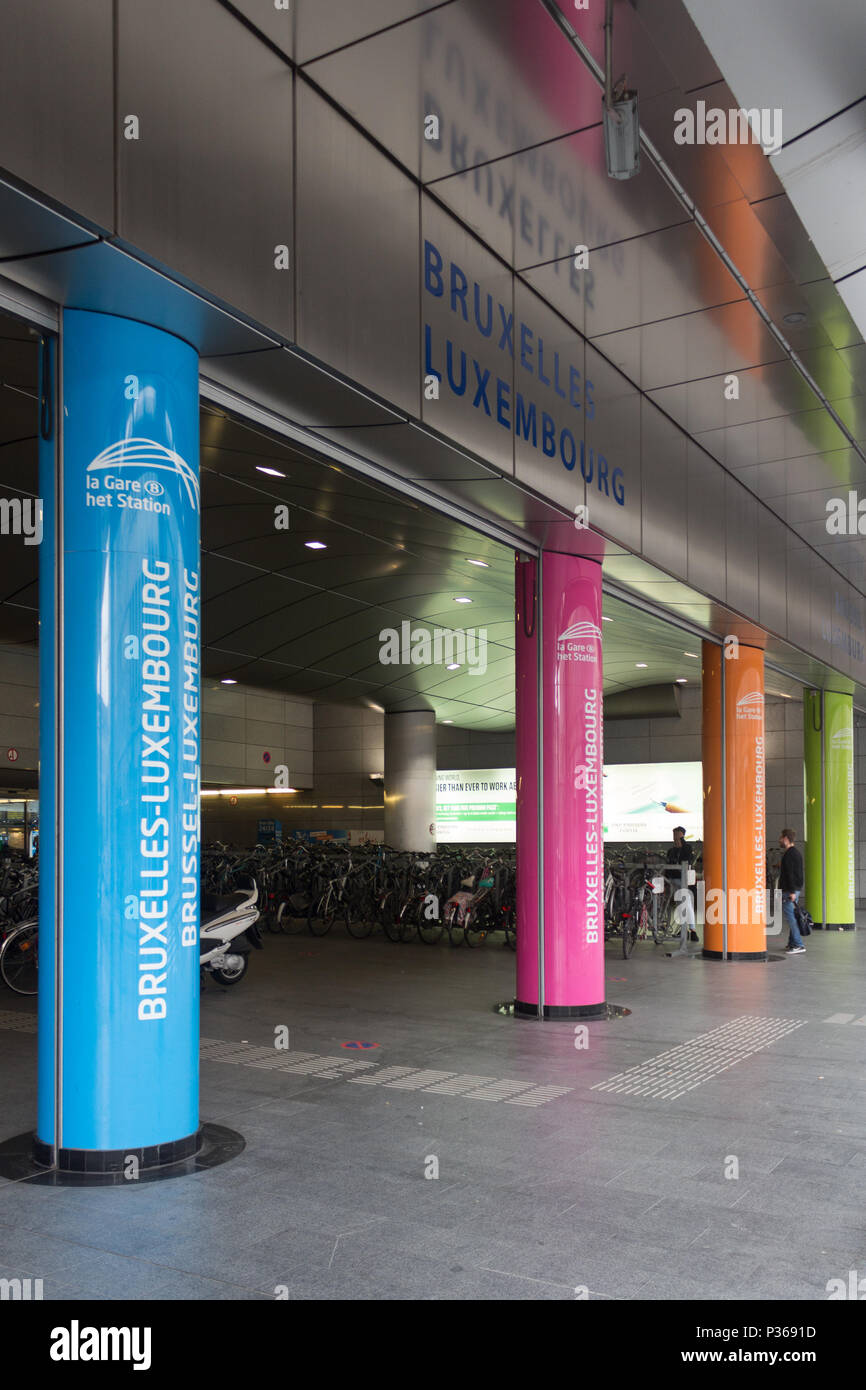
{"type": "Point", "coordinates": [791, 883]}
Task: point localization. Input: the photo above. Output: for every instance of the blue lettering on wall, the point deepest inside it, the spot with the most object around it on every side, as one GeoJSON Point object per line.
{"type": "Point", "coordinates": [567, 382]}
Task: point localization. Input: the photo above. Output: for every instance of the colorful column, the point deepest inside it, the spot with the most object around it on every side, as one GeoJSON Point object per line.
{"type": "Point", "coordinates": [813, 759]}
{"type": "Point", "coordinates": [560, 855]}
{"type": "Point", "coordinates": [120, 600]}
{"type": "Point", "coordinates": [734, 799]}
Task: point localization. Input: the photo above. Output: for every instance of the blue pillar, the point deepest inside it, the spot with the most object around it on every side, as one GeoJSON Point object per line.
{"type": "Point", "coordinates": [120, 617]}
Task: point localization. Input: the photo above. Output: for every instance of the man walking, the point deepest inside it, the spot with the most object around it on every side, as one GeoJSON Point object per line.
{"type": "Point", "coordinates": [791, 882]}
{"type": "Point", "coordinates": [680, 853]}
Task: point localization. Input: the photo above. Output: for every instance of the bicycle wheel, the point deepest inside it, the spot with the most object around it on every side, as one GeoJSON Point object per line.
{"type": "Point", "coordinates": [430, 929]}
{"type": "Point", "coordinates": [287, 922]}
{"type": "Point", "coordinates": [408, 920]}
{"type": "Point", "coordinates": [392, 922]}
{"type": "Point", "coordinates": [360, 920]}
{"type": "Point", "coordinates": [475, 927]}
{"type": "Point", "coordinates": [630, 923]}
{"type": "Point", "coordinates": [19, 959]}
{"type": "Point", "coordinates": [510, 924]}
{"type": "Point", "coordinates": [322, 914]}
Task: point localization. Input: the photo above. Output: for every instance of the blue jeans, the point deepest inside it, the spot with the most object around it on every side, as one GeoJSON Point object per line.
{"type": "Point", "coordinates": [794, 937]}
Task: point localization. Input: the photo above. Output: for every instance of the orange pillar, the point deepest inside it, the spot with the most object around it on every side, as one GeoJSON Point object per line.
{"type": "Point", "coordinates": [734, 821]}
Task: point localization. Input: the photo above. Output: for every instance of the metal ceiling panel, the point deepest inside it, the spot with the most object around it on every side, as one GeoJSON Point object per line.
{"type": "Point", "coordinates": [781, 437]}
{"type": "Point", "coordinates": [664, 495]}
{"type": "Point", "coordinates": [672, 272]}
{"type": "Point", "coordinates": [707, 535]}
{"type": "Point", "coordinates": [798, 56]}
{"type": "Point", "coordinates": [104, 278]}
{"type": "Point", "coordinates": [275, 23]}
{"type": "Point", "coordinates": [611, 462]}
{"type": "Point", "coordinates": [326, 25]}
{"type": "Point", "coordinates": [358, 299]}
{"type": "Point", "coordinates": [483, 67]}
{"type": "Point", "coordinates": [730, 338]}
{"type": "Point", "coordinates": [57, 101]}
{"type": "Point", "coordinates": [551, 401]}
{"type": "Point", "coordinates": [27, 226]}
{"type": "Point", "coordinates": [293, 386]}
{"type": "Point", "coordinates": [207, 187]}
{"type": "Point", "coordinates": [467, 339]}
{"type": "Point", "coordinates": [789, 236]}
{"type": "Point", "coordinates": [537, 206]}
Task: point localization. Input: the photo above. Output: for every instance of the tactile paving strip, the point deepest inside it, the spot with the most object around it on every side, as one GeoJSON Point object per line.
{"type": "Point", "coordinates": [682, 1068]}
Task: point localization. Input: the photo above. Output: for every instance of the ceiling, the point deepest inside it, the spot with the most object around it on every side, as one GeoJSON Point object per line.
{"type": "Point", "coordinates": [665, 307]}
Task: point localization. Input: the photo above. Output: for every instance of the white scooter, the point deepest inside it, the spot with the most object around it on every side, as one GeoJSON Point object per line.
{"type": "Point", "coordinates": [228, 932]}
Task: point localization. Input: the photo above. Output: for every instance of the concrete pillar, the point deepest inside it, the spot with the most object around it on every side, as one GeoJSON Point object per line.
{"type": "Point", "coordinates": [119, 787]}
{"type": "Point", "coordinates": [410, 779]}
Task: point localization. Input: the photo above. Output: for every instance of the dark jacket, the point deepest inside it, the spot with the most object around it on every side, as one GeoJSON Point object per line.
{"type": "Point", "coordinates": [680, 854]}
{"type": "Point", "coordinates": [791, 878]}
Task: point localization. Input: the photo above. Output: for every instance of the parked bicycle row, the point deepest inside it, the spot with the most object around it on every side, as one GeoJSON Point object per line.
{"type": "Point", "coordinates": [465, 894]}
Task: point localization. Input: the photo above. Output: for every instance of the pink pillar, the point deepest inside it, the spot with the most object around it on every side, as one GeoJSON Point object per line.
{"type": "Point", "coordinates": [566, 610]}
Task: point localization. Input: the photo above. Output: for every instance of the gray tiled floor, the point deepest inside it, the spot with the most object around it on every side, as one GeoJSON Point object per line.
{"type": "Point", "coordinates": [623, 1195]}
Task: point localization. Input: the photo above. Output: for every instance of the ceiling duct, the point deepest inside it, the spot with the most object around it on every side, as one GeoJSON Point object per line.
{"type": "Point", "coordinates": [644, 702]}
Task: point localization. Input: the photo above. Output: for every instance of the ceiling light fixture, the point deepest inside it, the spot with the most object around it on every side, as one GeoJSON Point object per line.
{"type": "Point", "coordinates": [447, 721]}
{"type": "Point", "coordinates": [641, 665]}
{"type": "Point", "coordinates": [453, 666]}
{"type": "Point", "coordinates": [227, 680]}
{"type": "Point", "coordinates": [692, 654]}
{"type": "Point", "coordinates": [606, 620]}
{"type": "Point", "coordinates": [271, 472]}
{"type": "Point", "coordinates": [796, 317]}
{"type": "Point", "coordinates": [315, 545]}
{"type": "Point", "coordinates": [681, 680]}
{"type": "Point", "coordinates": [482, 564]}
{"type": "Point", "coordinates": [463, 600]}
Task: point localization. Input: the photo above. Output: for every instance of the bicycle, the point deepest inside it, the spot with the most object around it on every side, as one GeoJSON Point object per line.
{"type": "Point", "coordinates": [19, 959]}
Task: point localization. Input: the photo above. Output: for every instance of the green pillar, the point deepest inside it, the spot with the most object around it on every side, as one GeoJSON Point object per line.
{"type": "Point", "coordinates": [814, 801]}
{"type": "Point", "coordinates": [839, 809]}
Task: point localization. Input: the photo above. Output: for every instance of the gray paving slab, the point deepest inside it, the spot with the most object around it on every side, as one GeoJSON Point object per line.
{"type": "Point", "coordinates": [623, 1194]}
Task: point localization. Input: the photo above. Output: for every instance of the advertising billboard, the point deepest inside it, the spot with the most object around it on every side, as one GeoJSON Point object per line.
{"type": "Point", "coordinates": [641, 802]}
{"type": "Point", "coordinates": [644, 801]}
{"type": "Point", "coordinates": [476, 806]}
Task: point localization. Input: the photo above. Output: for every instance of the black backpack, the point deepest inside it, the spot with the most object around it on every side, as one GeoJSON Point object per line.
{"type": "Point", "coordinates": [803, 919]}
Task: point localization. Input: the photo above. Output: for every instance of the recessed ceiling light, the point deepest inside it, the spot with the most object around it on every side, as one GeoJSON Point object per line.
{"type": "Point", "coordinates": [453, 666]}
{"type": "Point", "coordinates": [463, 600]}
{"type": "Point", "coordinates": [796, 317]}
{"type": "Point", "coordinates": [315, 545]}
{"type": "Point", "coordinates": [606, 620]}
{"type": "Point", "coordinates": [228, 681]}
{"type": "Point", "coordinates": [694, 654]}
{"type": "Point", "coordinates": [447, 721]}
{"type": "Point", "coordinates": [482, 564]}
{"type": "Point", "coordinates": [641, 665]}
{"type": "Point", "coordinates": [681, 680]}
{"type": "Point", "coordinates": [271, 472]}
